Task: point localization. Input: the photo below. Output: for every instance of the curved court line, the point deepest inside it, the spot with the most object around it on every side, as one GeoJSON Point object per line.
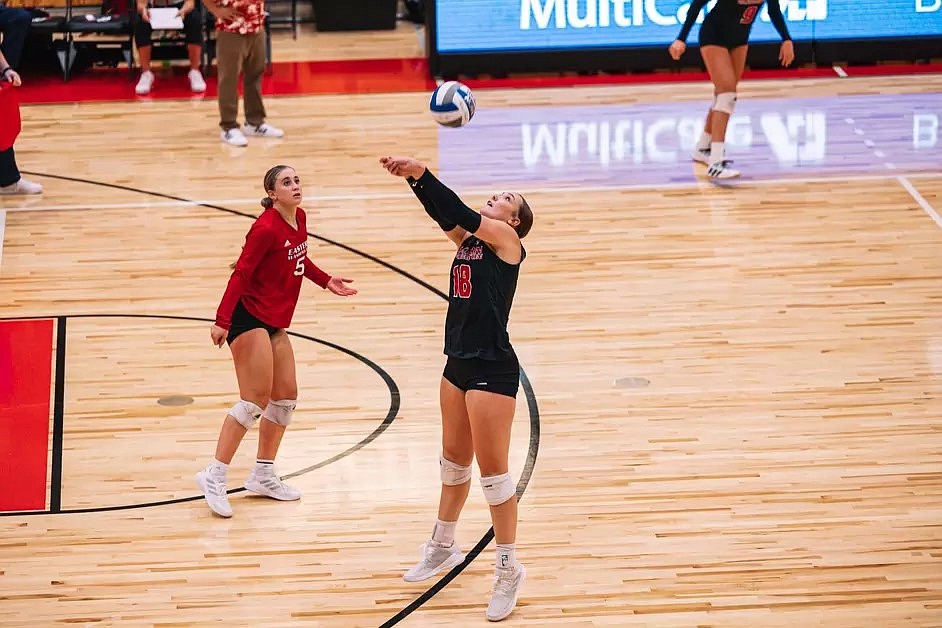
{"type": "Point", "coordinates": [394, 403]}
{"type": "Point", "coordinates": [532, 407]}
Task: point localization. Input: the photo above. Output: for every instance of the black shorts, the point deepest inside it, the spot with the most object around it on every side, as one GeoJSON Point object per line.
{"type": "Point", "coordinates": [496, 376]}
{"type": "Point", "coordinates": [243, 321]}
{"type": "Point", "coordinates": [710, 35]}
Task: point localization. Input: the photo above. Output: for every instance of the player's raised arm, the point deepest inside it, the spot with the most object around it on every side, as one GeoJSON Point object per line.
{"type": "Point", "coordinates": [412, 169]}
{"type": "Point", "coordinates": [498, 230]}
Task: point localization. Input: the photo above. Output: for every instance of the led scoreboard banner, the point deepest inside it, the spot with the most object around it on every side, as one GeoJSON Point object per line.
{"type": "Point", "coordinates": [496, 36]}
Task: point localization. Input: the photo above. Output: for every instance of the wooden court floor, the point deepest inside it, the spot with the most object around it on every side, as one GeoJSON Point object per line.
{"type": "Point", "coordinates": [733, 406]}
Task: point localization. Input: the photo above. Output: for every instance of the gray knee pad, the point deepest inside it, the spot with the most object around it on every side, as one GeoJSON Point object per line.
{"type": "Point", "coordinates": [246, 413]}
{"type": "Point", "coordinates": [725, 102]}
{"type": "Point", "coordinates": [453, 474]}
{"type": "Point", "coordinates": [498, 488]}
{"type": "Point", "coordinates": [280, 411]}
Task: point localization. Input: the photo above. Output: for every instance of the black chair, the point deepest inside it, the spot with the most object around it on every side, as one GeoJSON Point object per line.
{"type": "Point", "coordinates": [46, 39]}
{"type": "Point", "coordinates": [110, 22]}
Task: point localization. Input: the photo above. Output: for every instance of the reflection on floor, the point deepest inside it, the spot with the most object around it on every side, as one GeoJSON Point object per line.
{"type": "Point", "coordinates": [650, 144]}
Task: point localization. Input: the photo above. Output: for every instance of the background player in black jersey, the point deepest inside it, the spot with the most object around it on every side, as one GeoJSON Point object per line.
{"type": "Point", "coordinates": [723, 44]}
{"type": "Point", "coordinates": [481, 376]}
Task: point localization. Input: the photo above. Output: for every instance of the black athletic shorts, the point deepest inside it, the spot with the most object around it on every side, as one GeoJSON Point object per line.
{"type": "Point", "coordinates": [710, 35]}
{"type": "Point", "coordinates": [496, 376]}
{"type": "Point", "coordinates": [243, 321]}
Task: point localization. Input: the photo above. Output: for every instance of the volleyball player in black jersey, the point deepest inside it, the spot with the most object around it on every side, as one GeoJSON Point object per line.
{"type": "Point", "coordinates": [481, 376]}
{"type": "Point", "coordinates": [724, 38]}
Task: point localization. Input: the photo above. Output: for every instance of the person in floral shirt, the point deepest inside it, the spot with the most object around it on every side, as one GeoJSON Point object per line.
{"type": "Point", "coordinates": [240, 49]}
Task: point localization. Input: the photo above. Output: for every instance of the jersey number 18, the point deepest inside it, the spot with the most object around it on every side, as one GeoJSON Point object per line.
{"type": "Point", "coordinates": [461, 279]}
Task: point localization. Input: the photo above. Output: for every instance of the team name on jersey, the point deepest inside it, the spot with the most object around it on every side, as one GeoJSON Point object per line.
{"type": "Point", "coordinates": [470, 253]}
{"type": "Point", "coordinates": [297, 252]}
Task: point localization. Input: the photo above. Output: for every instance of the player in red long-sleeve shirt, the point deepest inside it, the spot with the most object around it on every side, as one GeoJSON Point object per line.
{"type": "Point", "coordinates": [255, 310]}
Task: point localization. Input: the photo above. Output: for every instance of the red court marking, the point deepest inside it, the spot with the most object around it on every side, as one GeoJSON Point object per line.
{"type": "Point", "coordinates": [25, 379]}
{"type": "Point", "coordinates": [367, 76]}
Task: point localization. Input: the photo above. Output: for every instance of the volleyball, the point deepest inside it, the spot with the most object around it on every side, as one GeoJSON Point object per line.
{"type": "Point", "coordinates": [452, 104]}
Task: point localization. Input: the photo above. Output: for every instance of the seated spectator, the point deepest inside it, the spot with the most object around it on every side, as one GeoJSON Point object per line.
{"type": "Point", "coordinates": [14, 24]}
{"type": "Point", "coordinates": [194, 44]}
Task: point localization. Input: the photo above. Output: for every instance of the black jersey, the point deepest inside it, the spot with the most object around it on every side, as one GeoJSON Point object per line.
{"type": "Point", "coordinates": [730, 21]}
{"type": "Point", "coordinates": [481, 293]}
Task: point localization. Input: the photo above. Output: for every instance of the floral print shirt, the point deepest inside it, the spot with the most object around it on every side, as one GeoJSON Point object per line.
{"type": "Point", "coordinates": [249, 20]}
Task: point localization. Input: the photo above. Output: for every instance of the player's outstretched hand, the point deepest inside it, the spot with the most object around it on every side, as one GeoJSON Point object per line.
{"type": "Point", "coordinates": [338, 286]}
{"type": "Point", "coordinates": [677, 49]}
{"type": "Point", "coordinates": [786, 54]}
{"type": "Point", "coordinates": [218, 334]}
{"type": "Point", "coordinates": [403, 166]}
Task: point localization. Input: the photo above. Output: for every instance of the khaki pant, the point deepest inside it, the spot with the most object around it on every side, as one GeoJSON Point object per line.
{"type": "Point", "coordinates": [237, 54]}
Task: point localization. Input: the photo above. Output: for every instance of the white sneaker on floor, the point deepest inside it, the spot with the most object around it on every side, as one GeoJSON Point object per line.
{"type": "Point", "coordinates": [721, 170]}
{"type": "Point", "coordinates": [262, 130]}
{"type": "Point", "coordinates": [22, 187]}
{"type": "Point", "coordinates": [145, 83]}
{"type": "Point", "coordinates": [234, 137]}
{"type": "Point", "coordinates": [435, 559]}
{"type": "Point", "coordinates": [268, 484]}
{"type": "Point", "coordinates": [197, 83]}
{"type": "Point", "coordinates": [212, 482]}
{"type": "Point", "coordinates": [701, 155]}
{"type": "Point", "coordinates": [506, 590]}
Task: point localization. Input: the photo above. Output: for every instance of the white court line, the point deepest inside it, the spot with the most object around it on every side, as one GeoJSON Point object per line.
{"type": "Point", "coordinates": [921, 200]}
{"type": "Point", "coordinates": [641, 187]}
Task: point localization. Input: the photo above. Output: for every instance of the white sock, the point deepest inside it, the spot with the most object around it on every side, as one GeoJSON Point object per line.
{"type": "Point", "coordinates": [444, 532]}
{"type": "Point", "coordinates": [506, 555]}
{"type": "Point", "coordinates": [717, 151]}
{"type": "Point", "coordinates": [221, 467]}
{"type": "Point", "coordinates": [264, 466]}
{"type": "Point", "coordinates": [704, 142]}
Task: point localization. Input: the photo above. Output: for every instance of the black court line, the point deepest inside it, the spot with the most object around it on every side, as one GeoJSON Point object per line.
{"type": "Point", "coordinates": [234, 212]}
{"type": "Point", "coordinates": [489, 535]}
{"type": "Point", "coordinates": [534, 445]}
{"type": "Point", "coordinates": [58, 417]}
{"type": "Point", "coordinates": [55, 505]}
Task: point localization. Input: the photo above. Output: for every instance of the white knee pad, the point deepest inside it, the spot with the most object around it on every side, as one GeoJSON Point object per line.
{"type": "Point", "coordinates": [280, 411]}
{"type": "Point", "coordinates": [725, 102]}
{"type": "Point", "coordinates": [498, 488]}
{"type": "Point", "coordinates": [246, 413]}
{"type": "Point", "coordinates": [453, 474]}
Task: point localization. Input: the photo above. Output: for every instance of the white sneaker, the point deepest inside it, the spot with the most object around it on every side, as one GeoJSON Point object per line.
{"type": "Point", "coordinates": [22, 187]}
{"type": "Point", "coordinates": [234, 137]}
{"type": "Point", "coordinates": [262, 130]}
{"type": "Point", "coordinates": [145, 84]}
{"type": "Point", "coordinates": [212, 481]}
{"type": "Point", "coordinates": [435, 558]}
{"type": "Point", "coordinates": [268, 483]}
{"type": "Point", "coordinates": [506, 590]}
{"type": "Point", "coordinates": [197, 83]}
{"type": "Point", "coordinates": [721, 170]}
{"type": "Point", "coordinates": [701, 155]}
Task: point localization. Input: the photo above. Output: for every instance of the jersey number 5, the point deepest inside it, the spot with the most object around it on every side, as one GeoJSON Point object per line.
{"type": "Point", "coordinates": [299, 267]}
{"type": "Point", "coordinates": [461, 279]}
{"type": "Point", "coordinates": [749, 14]}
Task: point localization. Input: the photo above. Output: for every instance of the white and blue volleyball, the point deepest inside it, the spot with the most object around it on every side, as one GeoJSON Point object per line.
{"type": "Point", "coordinates": [452, 104]}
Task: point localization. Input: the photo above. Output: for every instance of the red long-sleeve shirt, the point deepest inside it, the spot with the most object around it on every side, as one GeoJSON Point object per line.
{"type": "Point", "coordinates": [267, 277]}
